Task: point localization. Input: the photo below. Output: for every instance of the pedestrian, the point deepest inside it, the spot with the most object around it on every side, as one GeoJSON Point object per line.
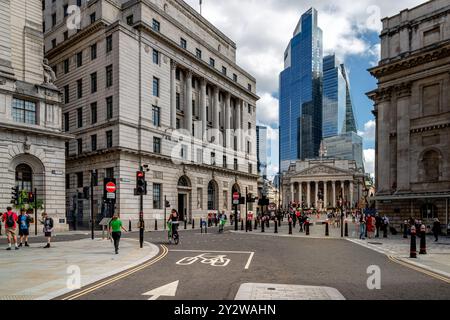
{"type": "Point", "coordinates": [24, 227]}
{"type": "Point", "coordinates": [362, 226]}
{"type": "Point", "coordinates": [385, 225]}
{"type": "Point", "coordinates": [115, 229]}
{"type": "Point", "coordinates": [370, 226]}
{"type": "Point", "coordinates": [436, 229]}
{"type": "Point", "coordinates": [48, 228]}
{"type": "Point", "coordinates": [378, 224]}
{"type": "Point", "coordinates": [10, 220]}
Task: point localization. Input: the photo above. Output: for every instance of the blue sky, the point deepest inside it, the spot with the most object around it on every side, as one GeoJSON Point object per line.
{"type": "Point", "coordinates": [262, 29]}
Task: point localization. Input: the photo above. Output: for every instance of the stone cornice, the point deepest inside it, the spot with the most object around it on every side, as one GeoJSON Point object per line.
{"type": "Point", "coordinates": [410, 60]}
{"type": "Point", "coordinates": [430, 128]}
{"type": "Point", "coordinates": [384, 94]}
{"type": "Point", "coordinates": [35, 130]}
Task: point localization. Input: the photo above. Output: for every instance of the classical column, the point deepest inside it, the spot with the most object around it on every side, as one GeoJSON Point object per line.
{"type": "Point", "coordinates": [308, 194]}
{"type": "Point", "coordinates": [243, 146]}
{"type": "Point", "coordinates": [238, 125]}
{"type": "Point", "coordinates": [325, 196]}
{"type": "Point", "coordinates": [343, 190]}
{"type": "Point", "coordinates": [216, 110]}
{"type": "Point", "coordinates": [300, 192]}
{"type": "Point", "coordinates": [173, 95]}
{"type": "Point", "coordinates": [292, 192]}
{"type": "Point", "coordinates": [203, 109]}
{"type": "Point", "coordinates": [188, 109]}
{"type": "Point", "coordinates": [334, 193]}
{"type": "Point", "coordinates": [5, 43]}
{"type": "Point", "coordinates": [227, 120]}
{"type": "Point", "coordinates": [316, 194]}
{"type": "Point", "coordinates": [351, 194]}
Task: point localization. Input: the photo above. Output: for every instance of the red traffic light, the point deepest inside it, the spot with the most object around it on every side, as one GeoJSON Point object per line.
{"type": "Point", "coordinates": [140, 174]}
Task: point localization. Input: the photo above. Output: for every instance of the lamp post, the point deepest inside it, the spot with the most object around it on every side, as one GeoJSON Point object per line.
{"type": "Point", "coordinates": [341, 207]}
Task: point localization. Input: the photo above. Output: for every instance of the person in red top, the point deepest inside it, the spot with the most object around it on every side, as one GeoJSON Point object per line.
{"type": "Point", "coordinates": [10, 221]}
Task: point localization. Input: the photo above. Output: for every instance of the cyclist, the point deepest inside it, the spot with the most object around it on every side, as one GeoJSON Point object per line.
{"type": "Point", "coordinates": [223, 219]}
{"type": "Point", "coordinates": [172, 222]}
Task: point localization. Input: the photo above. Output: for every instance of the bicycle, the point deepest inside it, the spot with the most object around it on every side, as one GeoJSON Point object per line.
{"type": "Point", "coordinates": [173, 235]}
{"type": "Point", "coordinates": [221, 225]}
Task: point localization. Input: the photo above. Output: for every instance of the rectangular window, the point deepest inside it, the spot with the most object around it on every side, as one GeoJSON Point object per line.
{"type": "Point", "coordinates": [66, 94]}
{"type": "Point", "coordinates": [183, 43]}
{"type": "Point", "coordinates": [198, 53]}
{"type": "Point", "coordinates": [79, 117]}
{"type": "Point", "coordinates": [224, 70]}
{"type": "Point", "coordinates": [249, 109]}
{"type": "Point", "coordinates": [79, 179]}
{"type": "Point", "coordinates": [156, 196]}
{"type": "Point", "coordinates": [24, 111]}
{"type": "Point", "coordinates": [249, 126]}
{"type": "Point", "coordinates": [213, 158]}
{"type": "Point", "coordinates": [53, 19]}
{"type": "Point", "coordinates": [130, 20]}
{"type": "Point", "coordinates": [155, 87]}
{"type": "Point", "coordinates": [249, 87]}
{"type": "Point", "coordinates": [225, 200]}
{"type": "Point", "coordinates": [66, 35]}
{"type": "Point", "coordinates": [156, 25]}
{"type": "Point", "coordinates": [177, 74]}
{"type": "Point", "coordinates": [157, 145]}
{"type": "Point", "coordinates": [94, 82]}
{"type": "Point", "coordinates": [109, 43]}
{"type": "Point", "coordinates": [94, 51]}
{"type": "Point", "coordinates": [66, 121]}
{"type": "Point", "coordinates": [236, 168]}
{"type": "Point", "coordinates": [93, 112]}
{"type": "Point", "coordinates": [155, 56]}
{"type": "Point", "coordinates": [66, 66]}
{"type": "Point", "coordinates": [193, 108]}
{"type": "Point", "coordinates": [178, 124]}
{"type": "Point", "coordinates": [94, 142]}
{"type": "Point", "coordinates": [109, 173]}
{"type": "Point", "coordinates": [234, 77]}
{"type": "Point", "coordinates": [109, 139]}
{"type": "Point", "coordinates": [109, 108]}
{"type": "Point", "coordinates": [109, 76]}
{"type": "Point", "coordinates": [249, 147]}
{"type": "Point", "coordinates": [212, 62]}
{"type": "Point", "coordinates": [92, 16]}
{"type": "Point", "coordinates": [178, 101]}
{"type": "Point", "coordinates": [53, 43]}
{"type": "Point", "coordinates": [250, 168]}
{"type": "Point", "coordinates": [79, 88]}
{"type": "Point", "coordinates": [183, 151]}
{"type": "Point", "coordinates": [156, 116]}
{"type": "Point", "coordinates": [80, 146]}
{"type": "Point", "coordinates": [67, 147]}
{"type": "Point", "coordinates": [79, 59]}
{"type": "Point", "coordinates": [224, 164]}
{"type": "Point", "coordinates": [199, 198]}
{"type": "Point", "coordinates": [94, 177]}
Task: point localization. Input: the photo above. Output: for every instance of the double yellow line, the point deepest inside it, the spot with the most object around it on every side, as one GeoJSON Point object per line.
{"type": "Point", "coordinates": [119, 276]}
{"type": "Point", "coordinates": [416, 268]}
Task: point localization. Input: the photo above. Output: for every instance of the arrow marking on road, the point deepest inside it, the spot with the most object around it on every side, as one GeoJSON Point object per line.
{"type": "Point", "coordinates": [168, 290]}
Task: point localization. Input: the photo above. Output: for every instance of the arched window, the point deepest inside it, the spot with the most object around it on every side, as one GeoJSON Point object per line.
{"type": "Point", "coordinates": [183, 182]}
{"type": "Point", "coordinates": [429, 211]}
{"type": "Point", "coordinates": [430, 162]}
{"type": "Point", "coordinates": [24, 177]}
{"type": "Point", "coordinates": [212, 204]}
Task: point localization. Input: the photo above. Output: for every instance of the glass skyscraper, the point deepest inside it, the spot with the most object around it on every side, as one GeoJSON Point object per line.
{"type": "Point", "coordinates": [301, 93]}
{"type": "Point", "coordinates": [261, 150]}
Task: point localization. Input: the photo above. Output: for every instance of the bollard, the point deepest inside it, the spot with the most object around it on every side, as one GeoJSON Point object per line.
{"type": "Point", "coordinates": [262, 226]}
{"type": "Point", "coordinates": [413, 253]}
{"type": "Point", "coordinates": [193, 223]}
{"type": "Point", "coordinates": [156, 225]}
{"type": "Point", "coordinates": [327, 231]}
{"type": "Point", "coordinates": [405, 231]}
{"type": "Point", "coordinates": [423, 240]}
{"type": "Point", "coordinates": [307, 228]}
{"type": "Point", "coordinates": [242, 225]}
{"type": "Point", "coordinates": [129, 226]}
{"type": "Point", "coordinates": [290, 227]}
{"type": "Point", "coordinates": [215, 221]}
{"type": "Point", "coordinates": [256, 224]}
{"type": "Point", "coordinates": [276, 226]}
{"type": "Point", "coordinates": [346, 228]}
{"type": "Point", "coordinates": [185, 224]}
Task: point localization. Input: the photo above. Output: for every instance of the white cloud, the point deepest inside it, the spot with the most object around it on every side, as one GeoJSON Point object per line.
{"type": "Point", "coordinates": [267, 110]}
{"type": "Point", "coordinates": [369, 131]}
{"type": "Point", "coordinates": [369, 161]}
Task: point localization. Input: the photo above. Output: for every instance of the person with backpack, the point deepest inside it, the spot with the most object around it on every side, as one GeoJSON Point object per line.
{"type": "Point", "coordinates": [48, 228]}
{"type": "Point", "coordinates": [10, 221]}
{"type": "Point", "coordinates": [24, 227]}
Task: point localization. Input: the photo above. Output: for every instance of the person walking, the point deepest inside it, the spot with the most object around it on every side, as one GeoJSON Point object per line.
{"type": "Point", "coordinates": [385, 225]}
{"type": "Point", "coordinates": [48, 228]}
{"type": "Point", "coordinates": [362, 226]}
{"type": "Point", "coordinates": [10, 220]}
{"type": "Point", "coordinates": [24, 227]}
{"type": "Point", "coordinates": [115, 229]}
{"type": "Point", "coordinates": [378, 225]}
{"type": "Point", "coordinates": [436, 229]}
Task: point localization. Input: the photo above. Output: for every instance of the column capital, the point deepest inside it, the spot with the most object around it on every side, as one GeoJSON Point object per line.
{"type": "Point", "coordinates": [173, 64]}
{"type": "Point", "coordinates": [189, 73]}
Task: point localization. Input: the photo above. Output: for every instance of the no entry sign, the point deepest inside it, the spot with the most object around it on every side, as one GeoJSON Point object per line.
{"type": "Point", "coordinates": [235, 198]}
{"type": "Point", "coordinates": [111, 187]}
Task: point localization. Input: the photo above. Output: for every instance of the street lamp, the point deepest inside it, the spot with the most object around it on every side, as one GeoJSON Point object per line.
{"type": "Point", "coordinates": [340, 202]}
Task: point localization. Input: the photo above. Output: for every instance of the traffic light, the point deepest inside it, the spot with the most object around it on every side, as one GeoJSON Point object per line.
{"type": "Point", "coordinates": [167, 204]}
{"type": "Point", "coordinates": [141, 184]}
{"type": "Point", "coordinates": [250, 198]}
{"type": "Point", "coordinates": [30, 197]}
{"type": "Point", "coordinates": [15, 195]}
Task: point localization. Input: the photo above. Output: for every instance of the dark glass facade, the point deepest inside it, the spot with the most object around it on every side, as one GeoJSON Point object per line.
{"type": "Point", "coordinates": [301, 93]}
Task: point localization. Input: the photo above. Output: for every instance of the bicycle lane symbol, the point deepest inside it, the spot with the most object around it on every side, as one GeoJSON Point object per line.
{"type": "Point", "coordinates": [206, 258]}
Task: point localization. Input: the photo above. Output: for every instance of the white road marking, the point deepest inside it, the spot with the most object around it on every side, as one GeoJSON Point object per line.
{"type": "Point", "coordinates": [206, 258]}
{"type": "Point", "coordinates": [247, 266]}
{"type": "Point", "coordinates": [249, 260]}
{"type": "Point", "coordinates": [168, 290]}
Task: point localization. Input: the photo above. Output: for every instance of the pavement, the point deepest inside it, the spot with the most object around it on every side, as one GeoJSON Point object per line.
{"type": "Point", "coordinates": [35, 273]}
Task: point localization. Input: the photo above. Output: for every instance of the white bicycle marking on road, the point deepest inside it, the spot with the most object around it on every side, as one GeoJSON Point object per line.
{"type": "Point", "coordinates": [206, 258]}
{"type": "Point", "coordinates": [186, 262]}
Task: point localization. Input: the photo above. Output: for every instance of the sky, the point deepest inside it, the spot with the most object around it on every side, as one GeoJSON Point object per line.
{"type": "Point", "coordinates": [262, 30]}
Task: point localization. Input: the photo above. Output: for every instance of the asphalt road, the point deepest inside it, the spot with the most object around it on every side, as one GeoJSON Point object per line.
{"type": "Point", "coordinates": [332, 263]}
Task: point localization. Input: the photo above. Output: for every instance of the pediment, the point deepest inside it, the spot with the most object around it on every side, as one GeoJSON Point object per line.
{"type": "Point", "coordinates": [323, 170]}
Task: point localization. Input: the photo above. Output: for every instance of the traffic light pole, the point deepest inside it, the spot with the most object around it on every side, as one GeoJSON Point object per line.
{"type": "Point", "coordinates": [141, 213]}
{"type": "Point", "coordinates": [165, 211]}
{"type": "Point", "coordinates": [35, 212]}
{"type": "Point", "coordinates": [246, 209]}
{"type": "Point", "coordinates": [92, 205]}
{"type": "Point", "coordinates": [235, 217]}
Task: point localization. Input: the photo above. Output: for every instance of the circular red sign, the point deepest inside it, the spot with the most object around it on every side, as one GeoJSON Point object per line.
{"type": "Point", "coordinates": [236, 196]}
{"type": "Point", "coordinates": [111, 187]}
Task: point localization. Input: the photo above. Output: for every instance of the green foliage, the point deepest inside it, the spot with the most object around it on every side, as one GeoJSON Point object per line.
{"type": "Point", "coordinates": [24, 205]}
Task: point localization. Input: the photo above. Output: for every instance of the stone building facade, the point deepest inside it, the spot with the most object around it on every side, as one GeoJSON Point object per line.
{"type": "Point", "coordinates": [31, 140]}
{"type": "Point", "coordinates": [151, 82]}
{"type": "Point", "coordinates": [321, 183]}
{"type": "Point", "coordinates": [412, 110]}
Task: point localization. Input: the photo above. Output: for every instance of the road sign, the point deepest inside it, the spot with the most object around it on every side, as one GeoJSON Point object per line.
{"type": "Point", "coordinates": [236, 198]}
{"type": "Point", "coordinates": [168, 290]}
{"type": "Point", "coordinates": [110, 187]}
